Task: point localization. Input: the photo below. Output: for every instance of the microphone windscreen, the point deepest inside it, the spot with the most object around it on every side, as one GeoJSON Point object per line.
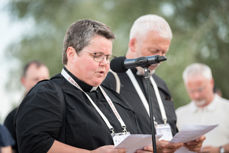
{"type": "Point", "coordinates": [117, 64]}
{"type": "Point", "coordinates": [162, 58]}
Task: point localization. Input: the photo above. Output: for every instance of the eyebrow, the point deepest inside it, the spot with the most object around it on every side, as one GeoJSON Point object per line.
{"type": "Point", "coordinates": [100, 53]}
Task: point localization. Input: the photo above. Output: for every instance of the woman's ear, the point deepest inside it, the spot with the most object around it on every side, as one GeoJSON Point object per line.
{"type": "Point", "coordinates": [70, 52]}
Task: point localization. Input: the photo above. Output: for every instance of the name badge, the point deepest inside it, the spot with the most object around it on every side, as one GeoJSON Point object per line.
{"type": "Point", "coordinates": [119, 137]}
{"type": "Point", "coordinates": [165, 131]}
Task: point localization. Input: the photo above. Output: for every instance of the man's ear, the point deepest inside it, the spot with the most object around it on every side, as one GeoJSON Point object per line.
{"type": "Point", "coordinates": [22, 80]}
{"type": "Point", "coordinates": [132, 44]}
{"type": "Point", "coordinates": [212, 83]}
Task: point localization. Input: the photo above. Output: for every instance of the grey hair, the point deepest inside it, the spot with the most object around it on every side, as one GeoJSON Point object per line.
{"type": "Point", "coordinates": [81, 32]}
{"type": "Point", "coordinates": [148, 23]}
{"type": "Point", "coordinates": [197, 69]}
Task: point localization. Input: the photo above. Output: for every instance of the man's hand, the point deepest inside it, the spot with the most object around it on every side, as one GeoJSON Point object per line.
{"type": "Point", "coordinates": [167, 147]}
{"type": "Point", "coordinates": [108, 149]}
{"type": "Point", "coordinates": [195, 145]}
{"type": "Point", "coordinates": [162, 147]}
{"type": "Point", "coordinates": [210, 149]}
{"type": "Point", "coordinates": [146, 149]}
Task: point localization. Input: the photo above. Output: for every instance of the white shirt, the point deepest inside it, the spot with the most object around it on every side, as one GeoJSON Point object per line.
{"type": "Point", "coordinates": [215, 113]}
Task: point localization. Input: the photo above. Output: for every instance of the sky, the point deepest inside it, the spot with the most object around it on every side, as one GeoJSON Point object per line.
{"type": "Point", "coordinates": [10, 31]}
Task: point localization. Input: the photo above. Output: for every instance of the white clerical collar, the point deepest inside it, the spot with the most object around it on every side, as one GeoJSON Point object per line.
{"type": "Point", "coordinates": [93, 89]}
{"type": "Point", "coordinates": [141, 72]}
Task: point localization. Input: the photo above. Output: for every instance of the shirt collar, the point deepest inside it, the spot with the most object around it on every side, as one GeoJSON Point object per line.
{"type": "Point", "coordinates": [141, 72]}
{"type": "Point", "coordinates": [83, 85]}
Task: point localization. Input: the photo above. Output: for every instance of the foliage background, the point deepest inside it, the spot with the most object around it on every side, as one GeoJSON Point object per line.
{"type": "Point", "coordinates": [200, 34]}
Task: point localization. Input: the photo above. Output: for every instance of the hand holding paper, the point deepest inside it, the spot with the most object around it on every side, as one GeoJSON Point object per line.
{"type": "Point", "coordinates": [190, 133]}
{"type": "Point", "coordinates": [136, 141]}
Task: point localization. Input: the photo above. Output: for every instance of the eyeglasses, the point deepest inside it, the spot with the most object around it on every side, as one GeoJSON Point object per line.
{"type": "Point", "coordinates": [99, 57]}
{"type": "Point", "coordinates": [199, 90]}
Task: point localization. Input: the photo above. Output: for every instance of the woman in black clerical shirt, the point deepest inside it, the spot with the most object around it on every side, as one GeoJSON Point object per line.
{"type": "Point", "coordinates": [72, 112]}
{"type": "Point", "coordinates": [82, 125]}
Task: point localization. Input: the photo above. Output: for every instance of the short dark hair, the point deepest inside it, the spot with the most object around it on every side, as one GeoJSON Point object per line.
{"type": "Point", "coordinates": [34, 62]}
{"type": "Point", "coordinates": [81, 32]}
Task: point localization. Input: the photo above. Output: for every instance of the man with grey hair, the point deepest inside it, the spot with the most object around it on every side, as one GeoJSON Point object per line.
{"type": "Point", "coordinates": [150, 35]}
{"type": "Point", "coordinates": [205, 108]}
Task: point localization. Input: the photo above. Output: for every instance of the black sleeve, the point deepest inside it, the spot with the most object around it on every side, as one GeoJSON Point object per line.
{"type": "Point", "coordinates": [9, 123]}
{"type": "Point", "coordinates": [39, 119]}
{"type": "Point", "coordinates": [5, 137]}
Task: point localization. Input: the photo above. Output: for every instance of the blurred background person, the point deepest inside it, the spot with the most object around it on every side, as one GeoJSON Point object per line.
{"type": "Point", "coordinates": [206, 107]}
{"type": "Point", "coordinates": [33, 72]}
{"type": "Point", "coordinates": [6, 141]}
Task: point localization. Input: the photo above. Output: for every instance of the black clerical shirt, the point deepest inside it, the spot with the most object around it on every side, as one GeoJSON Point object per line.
{"type": "Point", "coordinates": [40, 117]}
{"type": "Point", "coordinates": [131, 97]}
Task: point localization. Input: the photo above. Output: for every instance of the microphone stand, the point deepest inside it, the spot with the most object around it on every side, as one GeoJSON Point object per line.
{"type": "Point", "coordinates": [147, 76]}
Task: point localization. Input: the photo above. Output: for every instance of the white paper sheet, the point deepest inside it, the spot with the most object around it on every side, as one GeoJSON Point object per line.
{"type": "Point", "coordinates": [189, 133]}
{"type": "Point", "coordinates": [136, 141]}
{"type": "Point", "coordinates": [192, 132]}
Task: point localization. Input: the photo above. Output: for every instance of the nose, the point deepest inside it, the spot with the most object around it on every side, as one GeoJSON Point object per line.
{"type": "Point", "coordinates": [162, 53]}
{"type": "Point", "coordinates": [196, 95]}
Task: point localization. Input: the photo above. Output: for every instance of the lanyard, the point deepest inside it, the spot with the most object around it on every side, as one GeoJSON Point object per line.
{"type": "Point", "coordinates": [143, 98]}
{"type": "Point", "coordinates": [73, 82]}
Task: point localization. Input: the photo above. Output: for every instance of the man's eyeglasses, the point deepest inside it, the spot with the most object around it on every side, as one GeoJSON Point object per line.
{"type": "Point", "coordinates": [99, 57]}
{"type": "Point", "coordinates": [199, 90]}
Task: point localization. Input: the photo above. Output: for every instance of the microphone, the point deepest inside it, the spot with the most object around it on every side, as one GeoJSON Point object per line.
{"type": "Point", "coordinates": [121, 64]}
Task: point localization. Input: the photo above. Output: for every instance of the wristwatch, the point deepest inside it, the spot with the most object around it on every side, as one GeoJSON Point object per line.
{"type": "Point", "coordinates": [221, 149]}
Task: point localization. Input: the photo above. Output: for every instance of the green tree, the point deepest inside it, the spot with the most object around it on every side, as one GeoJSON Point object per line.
{"type": "Point", "coordinates": [199, 27]}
